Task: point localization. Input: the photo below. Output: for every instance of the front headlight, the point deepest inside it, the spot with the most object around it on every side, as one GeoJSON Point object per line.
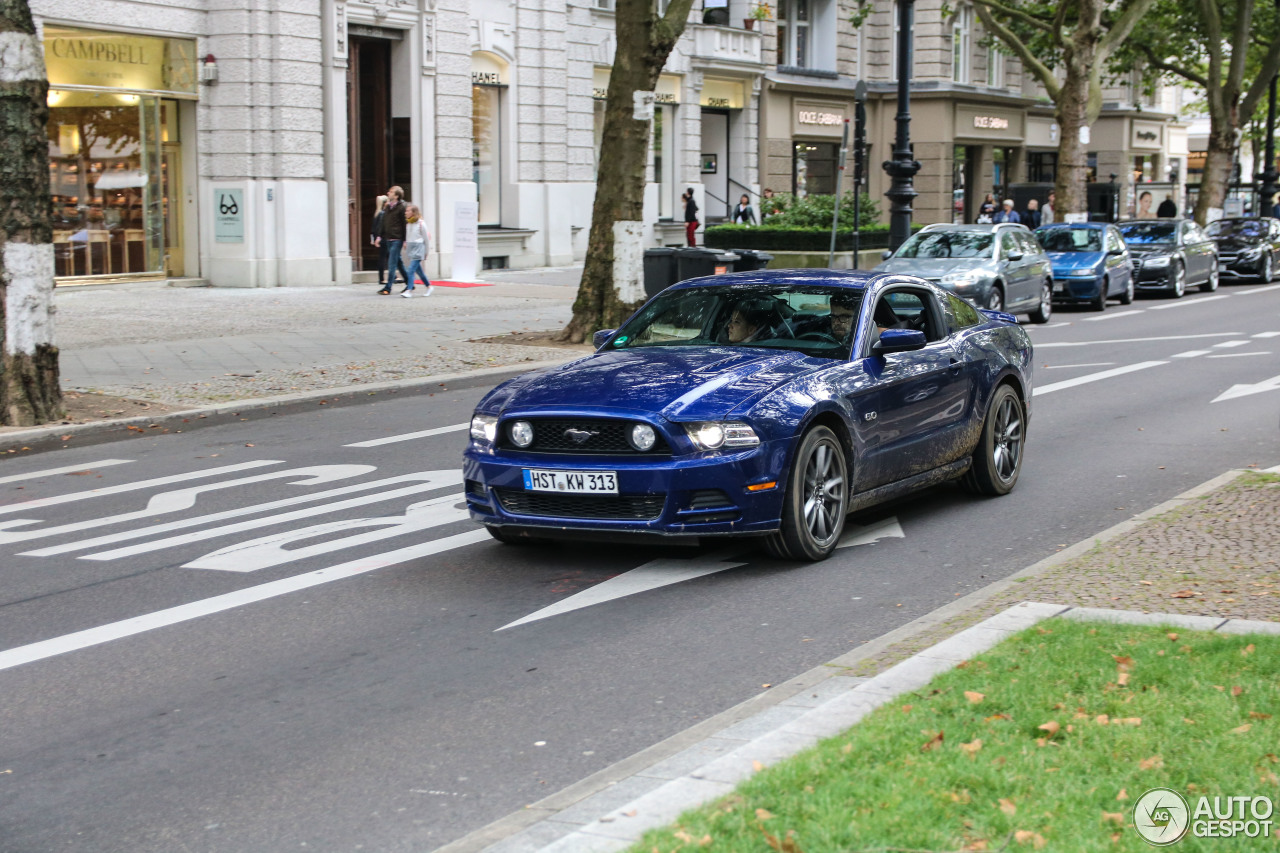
{"type": "Point", "coordinates": [714, 435]}
{"type": "Point", "coordinates": [1157, 261]}
{"type": "Point", "coordinates": [962, 278]}
{"type": "Point", "coordinates": [484, 428]}
{"type": "Point", "coordinates": [1083, 272]}
{"type": "Point", "coordinates": [1252, 254]}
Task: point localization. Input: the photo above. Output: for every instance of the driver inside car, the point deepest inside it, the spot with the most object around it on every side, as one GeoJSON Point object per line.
{"type": "Point", "coordinates": [748, 322]}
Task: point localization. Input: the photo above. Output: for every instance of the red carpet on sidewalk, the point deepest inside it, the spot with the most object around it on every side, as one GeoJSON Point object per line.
{"type": "Point", "coordinates": [461, 283]}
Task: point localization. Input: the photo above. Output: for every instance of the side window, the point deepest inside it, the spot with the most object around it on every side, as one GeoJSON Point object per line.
{"type": "Point", "coordinates": [1008, 245]}
{"type": "Point", "coordinates": [1029, 244]}
{"type": "Point", "coordinates": [913, 311]}
{"type": "Point", "coordinates": [1197, 234]}
{"type": "Point", "coordinates": [1114, 244]}
{"type": "Point", "coordinates": [960, 314]}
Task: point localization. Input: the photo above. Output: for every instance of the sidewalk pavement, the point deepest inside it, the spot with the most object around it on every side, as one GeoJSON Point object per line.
{"type": "Point", "coordinates": [1209, 559]}
{"type": "Point", "coordinates": [196, 346]}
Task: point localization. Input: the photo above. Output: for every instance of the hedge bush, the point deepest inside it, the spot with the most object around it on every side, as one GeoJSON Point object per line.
{"type": "Point", "coordinates": [814, 211]}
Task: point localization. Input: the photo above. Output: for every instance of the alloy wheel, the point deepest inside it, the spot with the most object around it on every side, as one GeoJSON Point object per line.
{"type": "Point", "coordinates": [1179, 276]}
{"type": "Point", "coordinates": [995, 300]}
{"type": "Point", "coordinates": [824, 485]}
{"type": "Point", "coordinates": [1007, 449]}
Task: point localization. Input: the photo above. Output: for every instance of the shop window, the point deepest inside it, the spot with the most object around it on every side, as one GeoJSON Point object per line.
{"type": "Point", "coordinates": [1144, 169]}
{"type": "Point", "coordinates": [995, 67]}
{"type": "Point", "coordinates": [814, 168]}
{"type": "Point", "coordinates": [1042, 167]}
{"type": "Point", "coordinates": [107, 182]}
{"type": "Point", "coordinates": [664, 158]}
{"type": "Point", "coordinates": [1091, 167]}
{"type": "Point", "coordinates": [961, 33]}
{"type": "Point", "coordinates": [1001, 166]}
{"type": "Point", "coordinates": [486, 145]}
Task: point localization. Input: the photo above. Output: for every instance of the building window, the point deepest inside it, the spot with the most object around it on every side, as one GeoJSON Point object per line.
{"type": "Point", "coordinates": [486, 145]}
{"type": "Point", "coordinates": [893, 47]}
{"type": "Point", "coordinates": [793, 33]}
{"type": "Point", "coordinates": [598, 106]}
{"type": "Point", "coordinates": [1042, 167]}
{"type": "Point", "coordinates": [715, 12]}
{"type": "Point", "coordinates": [603, 4]}
{"type": "Point", "coordinates": [1091, 167]}
{"type": "Point", "coordinates": [814, 168]}
{"type": "Point", "coordinates": [961, 33]}
{"type": "Point", "coordinates": [664, 158]}
{"type": "Point", "coordinates": [1144, 169]}
{"type": "Point", "coordinates": [995, 67]}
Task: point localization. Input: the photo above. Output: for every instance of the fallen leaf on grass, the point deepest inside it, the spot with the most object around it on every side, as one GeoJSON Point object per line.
{"type": "Point", "coordinates": [972, 747]}
{"type": "Point", "coordinates": [1113, 817]}
{"type": "Point", "coordinates": [1247, 650]}
{"type": "Point", "coordinates": [1051, 727]}
{"type": "Point", "coordinates": [975, 846]}
{"type": "Point", "coordinates": [932, 743]}
{"type": "Point", "coordinates": [997, 717]}
{"type": "Point", "coordinates": [1172, 637]}
{"type": "Point", "coordinates": [847, 748]}
{"type": "Point", "coordinates": [1151, 763]}
{"type": "Point", "coordinates": [1236, 690]}
{"type": "Point", "coordinates": [1184, 593]}
{"type": "Point", "coordinates": [785, 845]}
{"type": "Point", "coordinates": [1239, 730]}
{"type": "Point", "coordinates": [1102, 719]}
{"type": "Point", "coordinates": [1123, 795]}
{"type": "Point", "coordinates": [1123, 679]}
{"type": "Point", "coordinates": [1007, 806]}
{"type": "Point", "coordinates": [1026, 836]}
{"type": "Point", "coordinates": [973, 696]}
{"type": "Point", "coordinates": [1127, 721]}
{"type": "Point", "coordinates": [1124, 662]}
{"type": "Point", "coordinates": [1258, 715]}
{"type": "Point", "coordinates": [757, 766]}
{"type": "Point", "coordinates": [763, 814]}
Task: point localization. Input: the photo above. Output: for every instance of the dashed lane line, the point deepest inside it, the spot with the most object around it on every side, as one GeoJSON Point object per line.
{"type": "Point", "coordinates": [1053, 344]}
{"type": "Point", "coordinates": [1114, 315]}
{"type": "Point", "coordinates": [1254, 290]}
{"type": "Point", "coordinates": [65, 469]}
{"type": "Point", "coordinates": [1070, 366]}
{"type": "Point", "coordinates": [410, 436]}
{"type": "Point", "coordinates": [1192, 353]}
{"type": "Point", "coordinates": [1266, 335]}
{"type": "Point", "coordinates": [1238, 354]}
{"type": "Point", "coordinates": [1182, 302]}
{"type": "Point", "coordinates": [1230, 344]}
{"type": "Point", "coordinates": [1095, 377]}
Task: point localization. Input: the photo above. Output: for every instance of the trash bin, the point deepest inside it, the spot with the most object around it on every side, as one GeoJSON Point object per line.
{"type": "Point", "coordinates": [659, 270]}
{"type": "Point", "coordinates": [699, 261]}
{"type": "Point", "coordinates": [751, 260]}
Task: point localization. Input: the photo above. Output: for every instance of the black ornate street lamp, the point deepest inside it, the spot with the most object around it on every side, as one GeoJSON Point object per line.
{"type": "Point", "coordinates": [903, 167]}
{"type": "Point", "coordinates": [1268, 176]}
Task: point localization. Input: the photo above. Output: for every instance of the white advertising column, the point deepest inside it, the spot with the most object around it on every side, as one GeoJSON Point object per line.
{"type": "Point", "coordinates": [465, 240]}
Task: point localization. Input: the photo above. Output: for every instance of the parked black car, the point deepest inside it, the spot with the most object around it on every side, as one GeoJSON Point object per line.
{"type": "Point", "coordinates": [1248, 247]}
{"type": "Point", "coordinates": [1170, 255]}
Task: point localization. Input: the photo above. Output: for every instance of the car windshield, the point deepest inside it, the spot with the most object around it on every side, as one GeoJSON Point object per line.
{"type": "Point", "coordinates": [1148, 232]}
{"type": "Point", "coordinates": [1070, 239]}
{"type": "Point", "coordinates": [810, 319]}
{"type": "Point", "coordinates": [1248, 229]}
{"type": "Point", "coordinates": [947, 244]}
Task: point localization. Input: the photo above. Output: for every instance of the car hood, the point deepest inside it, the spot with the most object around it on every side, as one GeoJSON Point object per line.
{"type": "Point", "coordinates": [1236, 244]}
{"type": "Point", "coordinates": [931, 267]}
{"type": "Point", "coordinates": [1075, 260]}
{"type": "Point", "coordinates": [1144, 251]}
{"type": "Point", "coordinates": [682, 383]}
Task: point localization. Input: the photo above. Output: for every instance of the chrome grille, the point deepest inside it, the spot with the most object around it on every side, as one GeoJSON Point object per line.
{"type": "Point", "coordinates": [551, 435]}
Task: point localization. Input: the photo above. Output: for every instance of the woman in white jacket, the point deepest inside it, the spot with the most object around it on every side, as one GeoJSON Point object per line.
{"type": "Point", "coordinates": [417, 243]}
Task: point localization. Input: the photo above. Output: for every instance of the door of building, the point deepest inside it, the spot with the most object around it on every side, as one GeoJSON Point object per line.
{"type": "Point", "coordinates": [370, 140]}
{"type": "Point", "coordinates": [715, 164]}
{"type": "Point", "coordinates": [171, 192]}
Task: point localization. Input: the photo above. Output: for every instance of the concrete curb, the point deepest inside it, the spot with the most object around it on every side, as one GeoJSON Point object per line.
{"type": "Point", "coordinates": [642, 775]}
{"type": "Point", "coordinates": [48, 437]}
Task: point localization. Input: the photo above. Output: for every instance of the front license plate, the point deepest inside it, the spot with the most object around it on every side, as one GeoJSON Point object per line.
{"type": "Point", "coordinates": [1059, 287]}
{"type": "Point", "coordinates": [571, 482]}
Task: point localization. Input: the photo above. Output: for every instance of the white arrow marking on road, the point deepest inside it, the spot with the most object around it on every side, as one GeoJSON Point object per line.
{"type": "Point", "coordinates": [1094, 377]}
{"type": "Point", "coordinates": [194, 610]}
{"type": "Point", "coordinates": [270, 551]}
{"type": "Point", "coordinates": [664, 572]}
{"type": "Point", "coordinates": [140, 484]}
{"type": "Point", "coordinates": [888, 528]}
{"type": "Point", "coordinates": [66, 469]}
{"type": "Point", "coordinates": [180, 499]}
{"type": "Point", "coordinates": [409, 436]}
{"type": "Point", "coordinates": [1272, 384]}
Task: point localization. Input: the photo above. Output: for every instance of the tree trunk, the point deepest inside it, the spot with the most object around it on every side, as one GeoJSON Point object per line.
{"type": "Point", "coordinates": [1070, 189]}
{"type": "Point", "coordinates": [1219, 160]}
{"type": "Point", "coordinates": [612, 277]}
{"type": "Point", "coordinates": [30, 392]}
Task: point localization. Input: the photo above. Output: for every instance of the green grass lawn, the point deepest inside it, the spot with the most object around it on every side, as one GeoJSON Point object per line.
{"type": "Point", "coordinates": [1045, 742]}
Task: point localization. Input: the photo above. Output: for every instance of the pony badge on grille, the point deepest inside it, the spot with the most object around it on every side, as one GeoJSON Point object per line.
{"type": "Point", "coordinates": [580, 436]}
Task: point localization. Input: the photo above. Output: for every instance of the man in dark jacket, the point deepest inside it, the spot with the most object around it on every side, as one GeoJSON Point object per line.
{"type": "Point", "coordinates": [1167, 209]}
{"type": "Point", "coordinates": [690, 217]}
{"type": "Point", "coordinates": [393, 234]}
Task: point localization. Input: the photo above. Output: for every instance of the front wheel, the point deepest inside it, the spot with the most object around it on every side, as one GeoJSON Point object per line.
{"type": "Point", "coordinates": [1099, 302]}
{"type": "Point", "coordinates": [1268, 269]}
{"type": "Point", "coordinates": [1177, 281]}
{"type": "Point", "coordinates": [1211, 283]}
{"type": "Point", "coordinates": [1126, 298]}
{"type": "Point", "coordinates": [997, 460]}
{"type": "Point", "coordinates": [1044, 310]}
{"type": "Point", "coordinates": [816, 500]}
{"type": "Point", "coordinates": [995, 299]}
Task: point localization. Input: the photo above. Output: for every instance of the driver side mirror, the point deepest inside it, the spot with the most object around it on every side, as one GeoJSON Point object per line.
{"type": "Point", "coordinates": [601, 337]}
{"type": "Point", "coordinates": [1115, 251]}
{"type": "Point", "coordinates": [1016, 256]}
{"type": "Point", "coordinates": [898, 340]}
{"type": "Point", "coordinates": [886, 255]}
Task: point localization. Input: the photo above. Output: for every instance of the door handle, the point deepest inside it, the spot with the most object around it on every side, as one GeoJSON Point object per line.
{"type": "Point", "coordinates": [956, 366]}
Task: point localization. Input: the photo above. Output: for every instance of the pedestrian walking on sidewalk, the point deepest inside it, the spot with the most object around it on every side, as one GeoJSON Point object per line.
{"type": "Point", "coordinates": [417, 243]}
{"type": "Point", "coordinates": [375, 237]}
{"type": "Point", "coordinates": [393, 230]}
{"type": "Point", "coordinates": [743, 214]}
{"type": "Point", "coordinates": [690, 217]}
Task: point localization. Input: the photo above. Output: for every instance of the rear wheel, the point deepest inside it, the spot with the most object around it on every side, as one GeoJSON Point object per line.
{"type": "Point", "coordinates": [1099, 302]}
{"type": "Point", "coordinates": [1045, 309]}
{"type": "Point", "coordinates": [998, 457]}
{"type": "Point", "coordinates": [995, 299]}
{"type": "Point", "coordinates": [816, 500]}
{"type": "Point", "coordinates": [1211, 283]}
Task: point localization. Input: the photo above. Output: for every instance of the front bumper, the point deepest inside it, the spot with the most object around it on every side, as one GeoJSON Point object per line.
{"type": "Point", "coordinates": [689, 494]}
{"type": "Point", "coordinates": [1153, 278]}
{"type": "Point", "coordinates": [1239, 268]}
{"type": "Point", "coordinates": [1075, 288]}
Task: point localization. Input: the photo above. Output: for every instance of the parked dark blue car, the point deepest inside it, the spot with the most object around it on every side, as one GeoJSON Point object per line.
{"type": "Point", "coordinates": [1091, 263]}
{"type": "Point", "coordinates": [768, 403]}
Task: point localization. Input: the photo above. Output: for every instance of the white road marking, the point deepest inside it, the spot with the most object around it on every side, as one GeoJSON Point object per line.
{"type": "Point", "coordinates": [1254, 290]}
{"type": "Point", "coordinates": [1094, 377]}
{"type": "Point", "coordinates": [429, 479]}
{"type": "Point", "coordinates": [135, 486]}
{"type": "Point", "coordinates": [1114, 315]}
{"type": "Point", "coordinates": [652, 575]}
{"type": "Point", "coordinates": [1266, 335]}
{"type": "Point", "coordinates": [66, 469]}
{"type": "Point", "coordinates": [1230, 344]}
{"type": "Point", "coordinates": [180, 499]}
{"type": "Point", "coordinates": [1272, 384]}
{"type": "Point", "coordinates": [1191, 353]}
{"type": "Point", "coordinates": [409, 436]}
{"type": "Point", "coordinates": [219, 603]}
{"type": "Point", "coordinates": [226, 529]}
{"type": "Point", "coordinates": [888, 528]}
{"type": "Point", "coordinates": [270, 551]}
{"type": "Point", "coordinates": [1056, 344]}
{"type": "Point", "coordinates": [1238, 354]}
{"type": "Point", "coordinates": [1182, 302]}
{"type": "Point", "coordinates": [1069, 366]}
{"type": "Point", "coordinates": [1034, 326]}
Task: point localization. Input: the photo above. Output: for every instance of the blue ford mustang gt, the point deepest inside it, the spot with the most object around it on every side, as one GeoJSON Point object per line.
{"type": "Point", "coordinates": [766, 403]}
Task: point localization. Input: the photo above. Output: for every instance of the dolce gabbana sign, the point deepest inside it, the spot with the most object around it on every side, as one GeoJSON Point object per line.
{"type": "Point", "coordinates": [818, 117]}
{"type": "Point", "coordinates": [984, 122]}
{"type": "Point", "coordinates": [991, 122]}
{"type": "Point", "coordinates": [810, 118]}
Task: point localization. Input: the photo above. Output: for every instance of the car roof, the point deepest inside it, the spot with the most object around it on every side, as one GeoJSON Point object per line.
{"type": "Point", "coordinates": [1093, 226]}
{"type": "Point", "coordinates": [853, 279]}
{"type": "Point", "coordinates": [950, 226]}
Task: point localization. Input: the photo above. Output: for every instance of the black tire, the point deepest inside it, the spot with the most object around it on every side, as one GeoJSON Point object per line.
{"type": "Point", "coordinates": [817, 498]}
{"type": "Point", "coordinates": [997, 460]}
{"type": "Point", "coordinates": [1211, 283]}
{"type": "Point", "coordinates": [1268, 270]}
{"type": "Point", "coordinates": [1177, 280]}
{"type": "Point", "coordinates": [1044, 310]}
{"type": "Point", "coordinates": [995, 299]}
{"type": "Point", "coordinates": [1126, 298]}
{"type": "Point", "coordinates": [1099, 302]}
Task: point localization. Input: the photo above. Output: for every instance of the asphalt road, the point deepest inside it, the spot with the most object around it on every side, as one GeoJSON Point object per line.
{"type": "Point", "coordinates": [352, 688]}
